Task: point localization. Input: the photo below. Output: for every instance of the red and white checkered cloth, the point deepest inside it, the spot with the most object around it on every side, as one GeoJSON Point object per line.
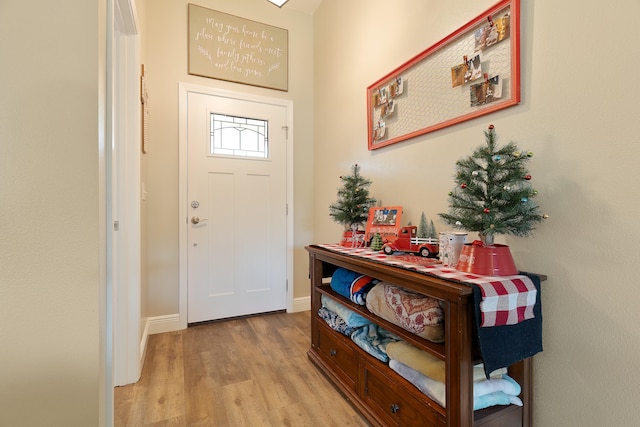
{"type": "Point", "coordinates": [506, 300]}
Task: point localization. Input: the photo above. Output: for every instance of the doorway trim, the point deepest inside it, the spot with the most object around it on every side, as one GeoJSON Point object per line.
{"type": "Point", "coordinates": [124, 223]}
{"type": "Point", "coordinates": [183, 91]}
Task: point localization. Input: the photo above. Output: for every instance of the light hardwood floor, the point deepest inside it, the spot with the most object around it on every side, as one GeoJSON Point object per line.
{"type": "Point", "coordinates": [244, 372]}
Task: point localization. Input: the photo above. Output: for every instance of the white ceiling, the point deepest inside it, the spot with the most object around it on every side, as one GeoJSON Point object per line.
{"type": "Point", "coordinates": [307, 6]}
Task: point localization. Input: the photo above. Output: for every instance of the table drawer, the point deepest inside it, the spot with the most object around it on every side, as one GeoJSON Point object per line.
{"type": "Point", "coordinates": [338, 350]}
{"type": "Point", "coordinates": [395, 403]}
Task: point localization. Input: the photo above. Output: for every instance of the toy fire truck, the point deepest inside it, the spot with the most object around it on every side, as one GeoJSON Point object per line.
{"type": "Point", "coordinates": [408, 241]}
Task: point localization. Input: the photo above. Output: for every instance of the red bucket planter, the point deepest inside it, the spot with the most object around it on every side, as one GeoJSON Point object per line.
{"type": "Point", "coordinates": [495, 260]}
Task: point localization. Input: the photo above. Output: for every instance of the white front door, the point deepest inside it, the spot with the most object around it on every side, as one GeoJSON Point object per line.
{"type": "Point", "coordinates": [236, 187]}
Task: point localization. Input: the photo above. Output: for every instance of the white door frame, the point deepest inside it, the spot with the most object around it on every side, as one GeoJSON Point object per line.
{"type": "Point", "coordinates": [184, 90]}
{"type": "Point", "coordinates": [124, 203]}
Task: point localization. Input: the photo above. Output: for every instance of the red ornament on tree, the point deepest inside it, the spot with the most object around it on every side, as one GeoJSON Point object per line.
{"type": "Point", "coordinates": [490, 127]}
{"type": "Point", "coordinates": [486, 210]}
{"type": "Point", "coordinates": [527, 177]}
{"type": "Point", "coordinates": [463, 185]}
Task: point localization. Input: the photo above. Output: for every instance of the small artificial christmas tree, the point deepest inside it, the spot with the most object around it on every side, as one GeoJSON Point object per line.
{"type": "Point", "coordinates": [493, 194]}
{"type": "Point", "coordinates": [352, 207]}
{"type": "Point", "coordinates": [423, 228]}
{"type": "Point", "coordinates": [432, 234]}
{"type": "Point", "coordinates": [376, 242]}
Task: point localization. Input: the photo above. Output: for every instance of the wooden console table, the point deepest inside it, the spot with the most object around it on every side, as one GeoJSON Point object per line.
{"type": "Point", "coordinates": [380, 394]}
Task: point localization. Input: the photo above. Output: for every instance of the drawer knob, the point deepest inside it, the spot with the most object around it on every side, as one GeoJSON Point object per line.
{"type": "Point", "coordinates": [395, 408]}
{"type": "Point", "coordinates": [332, 352]}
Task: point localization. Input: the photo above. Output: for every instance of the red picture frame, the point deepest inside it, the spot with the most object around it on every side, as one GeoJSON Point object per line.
{"type": "Point", "coordinates": [411, 100]}
{"type": "Point", "coordinates": [383, 220]}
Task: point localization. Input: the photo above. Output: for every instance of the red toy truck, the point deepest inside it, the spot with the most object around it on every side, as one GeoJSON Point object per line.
{"type": "Point", "coordinates": [407, 241]}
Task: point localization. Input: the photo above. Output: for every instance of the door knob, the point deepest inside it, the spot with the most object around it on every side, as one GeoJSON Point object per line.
{"type": "Point", "coordinates": [196, 220]}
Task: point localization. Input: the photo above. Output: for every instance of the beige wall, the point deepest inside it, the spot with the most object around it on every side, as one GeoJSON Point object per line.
{"type": "Point", "coordinates": [578, 115]}
{"type": "Point", "coordinates": [166, 66]}
{"type": "Point", "coordinates": [50, 251]}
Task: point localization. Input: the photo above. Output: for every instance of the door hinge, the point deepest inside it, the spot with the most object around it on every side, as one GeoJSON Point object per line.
{"type": "Point", "coordinates": [286, 131]}
{"type": "Point", "coordinates": [286, 285]}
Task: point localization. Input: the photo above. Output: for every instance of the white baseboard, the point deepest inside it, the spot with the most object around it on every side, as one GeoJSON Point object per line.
{"type": "Point", "coordinates": [171, 322]}
{"type": "Point", "coordinates": [143, 342]}
{"type": "Point", "coordinates": [160, 324]}
{"type": "Point", "coordinates": [301, 304]}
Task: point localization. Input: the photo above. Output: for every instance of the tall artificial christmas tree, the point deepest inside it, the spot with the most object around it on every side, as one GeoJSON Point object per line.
{"type": "Point", "coordinates": [493, 193]}
{"type": "Point", "coordinates": [352, 207]}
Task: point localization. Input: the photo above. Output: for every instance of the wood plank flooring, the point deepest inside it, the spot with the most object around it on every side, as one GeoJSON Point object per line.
{"type": "Point", "coordinates": [244, 372]}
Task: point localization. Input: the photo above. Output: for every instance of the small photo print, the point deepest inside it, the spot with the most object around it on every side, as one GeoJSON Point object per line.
{"type": "Point", "coordinates": [478, 94]}
{"type": "Point", "coordinates": [457, 75]}
{"type": "Point", "coordinates": [503, 28]}
{"type": "Point", "coordinates": [380, 96]}
{"type": "Point", "coordinates": [486, 92]}
{"type": "Point", "coordinates": [494, 89]}
{"type": "Point", "coordinates": [489, 35]}
{"type": "Point", "coordinates": [388, 109]}
{"type": "Point", "coordinates": [474, 69]}
{"type": "Point", "coordinates": [481, 37]}
{"type": "Point", "coordinates": [397, 87]}
{"type": "Point", "coordinates": [379, 130]}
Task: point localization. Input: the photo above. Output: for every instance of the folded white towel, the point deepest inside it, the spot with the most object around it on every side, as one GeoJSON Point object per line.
{"type": "Point", "coordinates": [437, 390]}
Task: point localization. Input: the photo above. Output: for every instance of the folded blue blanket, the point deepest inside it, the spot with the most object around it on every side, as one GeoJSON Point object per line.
{"type": "Point", "coordinates": [373, 339]}
{"type": "Point", "coordinates": [335, 322]}
{"type": "Point", "coordinates": [352, 285]}
{"type": "Point", "coordinates": [495, 398]}
{"type": "Point", "coordinates": [350, 317]}
{"type": "Point", "coordinates": [506, 384]}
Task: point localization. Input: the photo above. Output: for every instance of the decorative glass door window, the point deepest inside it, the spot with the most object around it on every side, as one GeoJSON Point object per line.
{"type": "Point", "coordinates": [238, 137]}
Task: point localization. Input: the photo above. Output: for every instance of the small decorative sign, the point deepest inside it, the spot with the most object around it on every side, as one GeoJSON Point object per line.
{"type": "Point", "coordinates": [227, 47]}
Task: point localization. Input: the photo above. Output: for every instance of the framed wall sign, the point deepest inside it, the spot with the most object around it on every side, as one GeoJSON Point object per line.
{"type": "Point", "coordinates": [227, 47]}
{"type": "Point", "coordinates": [472, 72]}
